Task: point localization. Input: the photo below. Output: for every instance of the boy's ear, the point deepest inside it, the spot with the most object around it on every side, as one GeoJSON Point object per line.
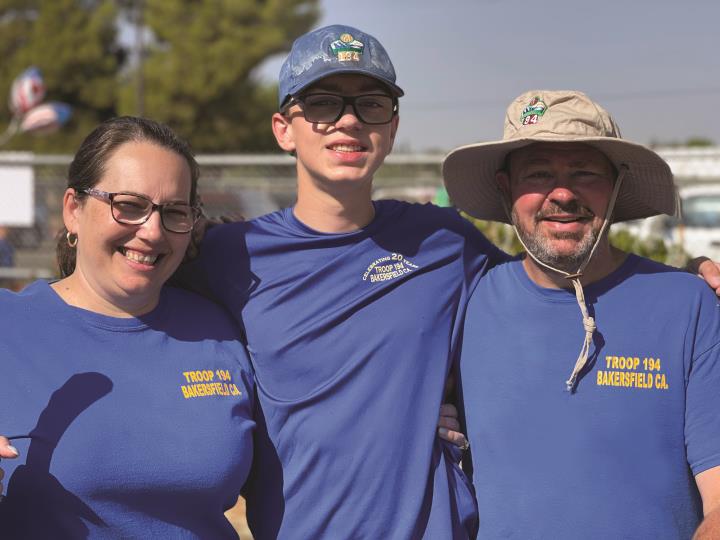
{"type": "Point", "coordinates": [282, 129]}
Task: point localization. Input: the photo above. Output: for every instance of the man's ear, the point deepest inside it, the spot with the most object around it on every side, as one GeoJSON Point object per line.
{"type": "Point", "coordinates": [70, 210]}
{"type": "Point", "coordinates": [282, 129]}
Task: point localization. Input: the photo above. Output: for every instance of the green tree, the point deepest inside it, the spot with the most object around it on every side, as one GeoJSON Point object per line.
{"type": "Point", "coordinates": [198, 72]}
{"type": "Point", "coordinates": [198, 75]}
{"type": "Point", "coordinates": [73, 43]}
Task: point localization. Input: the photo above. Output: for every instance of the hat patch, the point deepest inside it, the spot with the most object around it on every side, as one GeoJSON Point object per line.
{"type": "Point", "coordinates": [534, 110]}
{"type": "Point", "coordinates": [347, 48]}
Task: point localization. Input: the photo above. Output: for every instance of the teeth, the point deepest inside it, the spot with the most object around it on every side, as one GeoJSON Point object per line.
{"type": "Point", "coordinates": [139, 257]}
{"type": "Point", "coordinates": [346, 148]}
{"type": "Point", "coordinates": [564, 219]}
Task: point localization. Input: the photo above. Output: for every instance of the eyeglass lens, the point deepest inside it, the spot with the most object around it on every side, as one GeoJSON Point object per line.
{"type": "Point", "coordinates": [132, 210]}
{"type": "Point", "coordinates": [328, 108]}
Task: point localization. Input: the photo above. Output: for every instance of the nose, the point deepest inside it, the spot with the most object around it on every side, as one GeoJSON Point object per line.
{"type": "Point", "coordinates": [562, 190]}
{"type": "Point", "coordinates": [349, 119]}
{"type": "Point", "coordinates": [152, 229]}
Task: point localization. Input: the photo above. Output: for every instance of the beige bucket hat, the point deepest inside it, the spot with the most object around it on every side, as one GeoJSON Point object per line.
{"type": "Point", "coordinates": [559, 116]}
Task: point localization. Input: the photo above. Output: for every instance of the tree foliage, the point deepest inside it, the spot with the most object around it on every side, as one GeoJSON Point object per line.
{"type": "Point", "coordinates": [199, 75]}
{"type": "Point", "coordinates": [73, 43]}
{"type": "Point", "coordinates": [198, 71]}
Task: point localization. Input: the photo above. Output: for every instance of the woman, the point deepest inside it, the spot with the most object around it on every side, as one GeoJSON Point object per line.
{"type": "Point", "coordinates": [137, 398]}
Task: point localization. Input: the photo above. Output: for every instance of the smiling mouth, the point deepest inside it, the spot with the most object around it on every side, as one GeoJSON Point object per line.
{"type": "Point", "coordinates": [140, 258]}
{"type": "Point", "coordinates": [569, 219]}
{"type": "Point", "coordinates": [346, 147]}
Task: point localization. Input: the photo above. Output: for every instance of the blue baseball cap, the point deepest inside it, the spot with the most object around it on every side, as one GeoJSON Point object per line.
{"type": "Point", "coordinates": [331, 50]}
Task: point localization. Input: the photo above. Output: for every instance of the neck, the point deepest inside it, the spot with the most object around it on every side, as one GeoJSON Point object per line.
{"type": "Point", "coordinates": [605, 260]}
{"type": "Point", "coordinates": [343, 208]}
{"type": "Point", "coordinates": [77, 292]}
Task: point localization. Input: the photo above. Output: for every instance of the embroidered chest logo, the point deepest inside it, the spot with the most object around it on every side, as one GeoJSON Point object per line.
{"type": "Point", "coordinates": [207, 383]}
{"type": "Point", "coordinates": [388, 267]}
{"type": "Point", "coordinates": [632, 372]}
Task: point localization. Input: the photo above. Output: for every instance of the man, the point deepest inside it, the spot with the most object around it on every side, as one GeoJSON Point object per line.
{"type": "Point", "coordinates": [350, 311]}
{"type": "Point", "coordinates": [7, 251]}
{"type": "Point", "coordinates": [623, 442]}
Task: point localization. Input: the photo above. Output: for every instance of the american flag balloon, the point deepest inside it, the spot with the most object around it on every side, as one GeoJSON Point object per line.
{"type": "Point", "coordinates": [46, 118]}
{"type": "Point", "coordinates": [27, 91]}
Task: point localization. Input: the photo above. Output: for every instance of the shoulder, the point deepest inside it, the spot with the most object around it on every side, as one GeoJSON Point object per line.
{"type": "Point", "coordinates": [428, 217]}
{"type": "Point", "coordinates": [236, 233]}
{"type": "Point", "coordinates": [34, 294]}
{"type": "Point", "coordinates": [420, 211]}
{"type": "Point", "coordinates": [672, 280]}
{"type": "Point", "coordinates": [188, 317]}
{"type": "Point", "coordinates": [666, 292]}
{"type": "Point", "coordinates": [188, 308]}
{"type": "Point", "coordinates": [183, 299]}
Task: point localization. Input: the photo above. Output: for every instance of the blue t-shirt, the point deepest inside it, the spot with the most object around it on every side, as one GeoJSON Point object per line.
{"type": "Point", "coordinates": [141, 427]}
{"type": "Point", "coordinates": [616, 458]}
{"type": "Point", "coordinates": [351, 337]}
{"type": "Point", "coordinates": [7, 253]}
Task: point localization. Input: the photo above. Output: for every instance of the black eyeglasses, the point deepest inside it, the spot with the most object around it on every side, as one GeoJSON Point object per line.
{"type": "Point", "coordinates": [133, 209]}
{"type": "Point", "coordinates": [329, 108]}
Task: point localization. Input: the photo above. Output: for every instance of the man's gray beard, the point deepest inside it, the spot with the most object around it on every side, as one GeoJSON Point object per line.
{"type": "Point", "coordinates": [541, 247]}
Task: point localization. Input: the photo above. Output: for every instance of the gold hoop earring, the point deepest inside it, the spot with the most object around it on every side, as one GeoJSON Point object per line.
{"type": "Point", "coordinates": [72, 239]}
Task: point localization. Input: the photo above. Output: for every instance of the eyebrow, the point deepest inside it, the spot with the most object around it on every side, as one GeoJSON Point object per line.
{"type": "Point", "coordinates": [171, 201]}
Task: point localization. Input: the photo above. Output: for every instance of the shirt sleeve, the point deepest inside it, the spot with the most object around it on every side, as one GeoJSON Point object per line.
{"type": "Point", "coordinates": [202, 273]}
{"type": "Point", "coordinates": [702, 412]}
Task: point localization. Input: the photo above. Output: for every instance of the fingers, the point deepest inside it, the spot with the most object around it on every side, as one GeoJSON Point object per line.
{"type": "Point", "coordinates": [448, 409]}
{"type": "Point", "coordinates": [6, 449]}
{"type": "Point", "coordinates": [449, 422]}
{"type": "Point", "coordinates": [454, 437]}
{"type": "Point", "coordinates": [449, 426]}
{"type": "Point", "coordinates": [708, 270]}
{"type": "Point", "coordinates": [231, 218]}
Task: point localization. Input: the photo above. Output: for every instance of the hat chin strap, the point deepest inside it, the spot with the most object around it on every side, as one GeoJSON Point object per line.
{"type": "Point", "coordinates": [588, 322]}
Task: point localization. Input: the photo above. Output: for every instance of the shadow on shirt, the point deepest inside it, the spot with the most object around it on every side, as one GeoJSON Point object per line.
{"type": "Point", "coordinates": [33, 493]}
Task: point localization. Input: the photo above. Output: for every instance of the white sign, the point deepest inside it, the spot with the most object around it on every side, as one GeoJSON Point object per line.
{"type": "Point", "coordinates": [17, 194]}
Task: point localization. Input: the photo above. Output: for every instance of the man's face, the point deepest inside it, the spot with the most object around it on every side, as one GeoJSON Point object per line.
{"type": "Point", "coordinates": [559, 194]}
{"type": "Point", "coordinates": [347, 150]}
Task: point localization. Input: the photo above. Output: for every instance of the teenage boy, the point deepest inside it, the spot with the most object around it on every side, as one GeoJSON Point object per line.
{"type": "Point", "coordinates": [350, 311]}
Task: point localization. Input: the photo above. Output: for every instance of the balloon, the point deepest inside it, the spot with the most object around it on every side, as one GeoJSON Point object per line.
{"type": "Point", "coordinates": [46, 118]}
{"type": "Point", "coordinates": [27, 91]}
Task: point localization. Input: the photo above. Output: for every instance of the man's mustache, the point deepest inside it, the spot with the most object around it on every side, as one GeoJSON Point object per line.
{"type": "Point", "coordinates": [572, 207]}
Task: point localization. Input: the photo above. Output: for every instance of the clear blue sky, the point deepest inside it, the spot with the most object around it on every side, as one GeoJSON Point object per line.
{"type": "Point", "coordinates": [654, 64]}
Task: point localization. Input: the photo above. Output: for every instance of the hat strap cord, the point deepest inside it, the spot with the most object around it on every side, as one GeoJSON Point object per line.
{"type": "Point", "coordinates": [588, 321]}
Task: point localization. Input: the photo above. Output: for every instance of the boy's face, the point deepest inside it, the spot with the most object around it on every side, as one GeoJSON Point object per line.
{"type": "Point", "coordinates": [347, 150]}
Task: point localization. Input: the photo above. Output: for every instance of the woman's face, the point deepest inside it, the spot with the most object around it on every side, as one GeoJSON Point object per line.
{"type": "Point", "coordinates": [123, 267]}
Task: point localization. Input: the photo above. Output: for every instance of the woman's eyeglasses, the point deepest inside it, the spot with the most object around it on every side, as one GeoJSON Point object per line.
{"type": "Point", "coordinates": [133, 209]}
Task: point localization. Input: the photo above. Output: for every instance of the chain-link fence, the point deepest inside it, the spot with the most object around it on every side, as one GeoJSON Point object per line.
{"type": "Point", "coordinates": [230, 185]}
{"type": "Point", "coordinates": [248, 186]}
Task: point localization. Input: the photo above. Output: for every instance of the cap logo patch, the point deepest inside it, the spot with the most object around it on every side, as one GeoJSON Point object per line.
{"type": "Point", "coordinates": [534, 110]}
{"type": "Point", "coordinates": [347, 48]}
